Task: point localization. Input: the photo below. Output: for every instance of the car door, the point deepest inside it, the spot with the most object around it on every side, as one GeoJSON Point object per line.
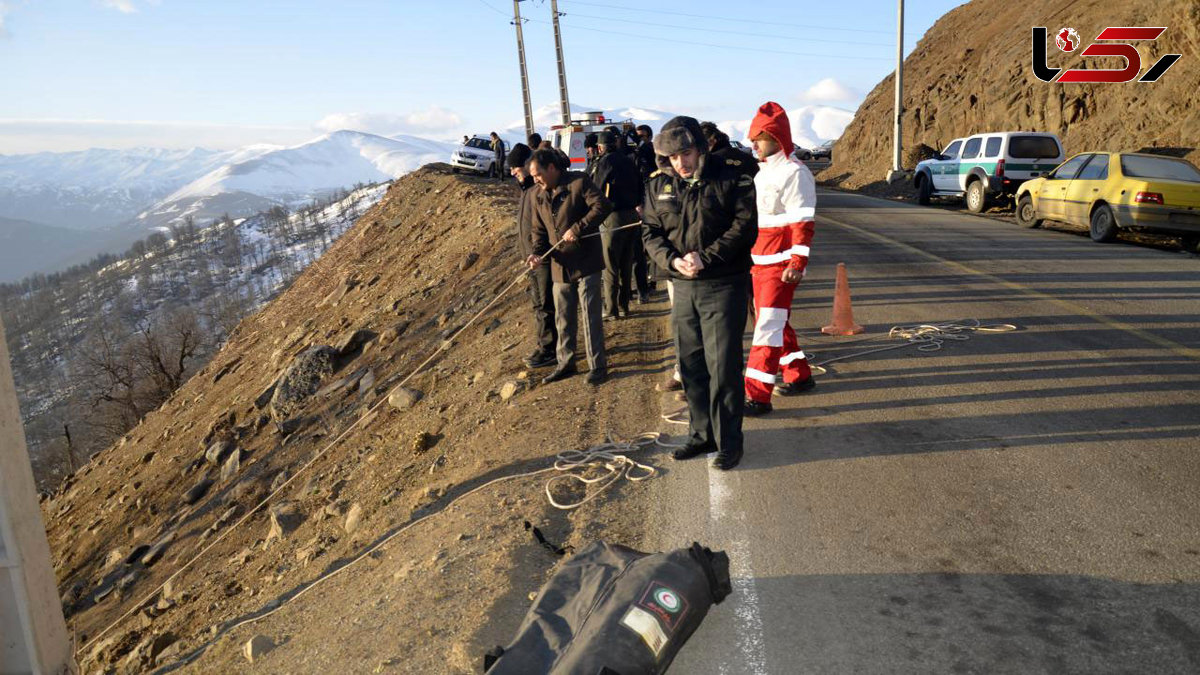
{"type": "Point", "coordinates": [1084, 189]}
{"type": "Point", "coordinates": [943, 170]}
{"type": "Point", "coordinates": [971, 152]}
{"type": "Point", "coordinates": [1053, 192]}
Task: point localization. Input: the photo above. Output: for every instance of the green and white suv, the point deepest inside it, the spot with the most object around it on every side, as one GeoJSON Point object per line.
{"type": "Point", "coordinates": [980, 166]}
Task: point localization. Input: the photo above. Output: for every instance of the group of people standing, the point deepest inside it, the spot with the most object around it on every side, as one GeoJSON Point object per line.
{"type": "Point", "coordinates": [720, 226]}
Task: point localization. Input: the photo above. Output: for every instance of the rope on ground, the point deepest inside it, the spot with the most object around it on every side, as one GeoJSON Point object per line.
{"type": "Point", "coordinates": [927, 337]}
{"type": "Point", "coordinates": [570, 465]}
{"type": "Point", "coordinates": [362, 421]}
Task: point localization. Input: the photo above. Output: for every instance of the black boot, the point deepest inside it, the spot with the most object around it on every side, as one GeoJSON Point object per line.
{"type": "Point", "coordinates": [727, 459]}
{"type": "Point", "coordinates": [560, 373]}
{"type": "Point", "coordinates": [756, 409]}
{"type": "Point", "coordinates": [597, 376]}
{"type": "Point", "coordinates": [693, 450]}
{"type": "Point", "coordinates": [794, 388]}
{"type": "Point", "coordinates": [540, 359]}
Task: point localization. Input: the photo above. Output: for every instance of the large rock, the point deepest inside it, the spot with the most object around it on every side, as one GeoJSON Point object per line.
{"type": "Point", "coordinates": [257, 646]}
{"type": "Point", "coordinates": [300, 380]}
{"type": "Point", "coordinates": [284, 520]}
{"type": "Point", "coordinates": [218, 451]}
{"type": "Point", "coordinates": [404, 398]}
{"type": "Point", "coordinates": [351, 342]}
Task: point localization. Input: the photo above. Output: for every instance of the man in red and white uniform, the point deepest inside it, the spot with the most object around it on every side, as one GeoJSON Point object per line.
{"type": "Point", "coordinates": [787, 199]}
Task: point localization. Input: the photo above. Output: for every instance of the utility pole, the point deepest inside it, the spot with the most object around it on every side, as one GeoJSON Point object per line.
{"type": "Point", "coordinates": [896, 173]}
{"type": "Point", "coordinates": [565, 101]}
{"type": "Point", "coordinates": [524, 72]}
{"type": "Point", "coordinates": [33, 635]}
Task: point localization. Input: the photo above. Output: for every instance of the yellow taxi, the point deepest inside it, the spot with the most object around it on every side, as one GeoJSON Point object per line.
{"type": "Point", "coordinates": [1106, 191]}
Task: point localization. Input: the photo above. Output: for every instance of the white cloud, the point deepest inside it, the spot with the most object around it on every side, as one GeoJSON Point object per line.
{"type": "Point", "coordinates": [122, 6]}
{"type": "Point", "coordinates": [828, 90]}
{"type": "Point", "coordinates": [434, 119]}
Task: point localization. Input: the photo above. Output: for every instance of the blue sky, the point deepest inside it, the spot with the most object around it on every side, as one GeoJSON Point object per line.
{"type": "Point", "coordinates": [223, 73]}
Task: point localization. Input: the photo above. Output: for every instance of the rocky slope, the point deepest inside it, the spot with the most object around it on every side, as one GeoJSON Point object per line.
{"type": "Point", "coordinates": [972, 73]}
{"type": "Point", "coordinates": [325, 354]}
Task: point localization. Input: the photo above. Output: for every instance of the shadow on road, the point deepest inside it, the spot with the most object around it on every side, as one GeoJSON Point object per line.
{"type": "Point", "coordinates": [978, 623]}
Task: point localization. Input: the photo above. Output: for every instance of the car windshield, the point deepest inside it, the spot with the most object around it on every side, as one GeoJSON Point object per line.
{"type": "Point", "coordinates": [479, 143]}
{"type": "Point", "coordinates": [1137, 166]}
{"type": "Point", "coordinates": [1032, 147]}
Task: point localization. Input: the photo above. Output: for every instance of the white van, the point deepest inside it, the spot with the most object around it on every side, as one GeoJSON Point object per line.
{"type": "Point", "coordinates": [979, 166]}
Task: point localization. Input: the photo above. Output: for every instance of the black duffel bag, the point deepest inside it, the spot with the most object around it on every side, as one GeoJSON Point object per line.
{"type": "Point", "coordinates": [615, 611]}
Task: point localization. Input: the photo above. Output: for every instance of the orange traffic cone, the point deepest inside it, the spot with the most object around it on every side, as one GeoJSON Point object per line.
{"type": "Point", "coordinates": [843, 314]}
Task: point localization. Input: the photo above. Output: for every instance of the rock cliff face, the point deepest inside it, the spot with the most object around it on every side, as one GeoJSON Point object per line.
{"type": "Point", "coordinates": [972, 72]}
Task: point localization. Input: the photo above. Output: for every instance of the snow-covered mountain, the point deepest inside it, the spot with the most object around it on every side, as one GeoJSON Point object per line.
{"type": "Point", "coordinates": [812, 125]}
{"type": "Point", "coordinates": [98, 188]}
{"type": "Point", "coordinates": [297, 174]}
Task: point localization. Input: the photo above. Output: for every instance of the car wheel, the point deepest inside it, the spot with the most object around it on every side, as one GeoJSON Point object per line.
{"type": "Point", "coordinates": [1026, 213]}
{"type": "Point", "coordinates": [1103, 225]}
{"type": "Point", "coordinates": [454, 169]}
{"type": "Point", "coordinates": [976, 199]}
{"type": "Point", "coordinates": [924, 189]}
{"type": "Point", "coordinates": [1191, 243]}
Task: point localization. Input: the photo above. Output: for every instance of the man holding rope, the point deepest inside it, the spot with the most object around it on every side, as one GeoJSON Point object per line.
{"type": "Point", "coordinates": [617, 178]}
{"type": "Point", "coordinates": [699, 223]}
{"type": "Point", "coordinates": [567, 209]}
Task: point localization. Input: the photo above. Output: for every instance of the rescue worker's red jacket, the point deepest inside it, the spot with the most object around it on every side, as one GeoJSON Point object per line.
{"type": "Point", "coordinates": [786, 194]}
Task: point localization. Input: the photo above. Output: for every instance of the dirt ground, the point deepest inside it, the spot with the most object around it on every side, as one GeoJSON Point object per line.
{"type": "Point", "coordinates": [428, 599]}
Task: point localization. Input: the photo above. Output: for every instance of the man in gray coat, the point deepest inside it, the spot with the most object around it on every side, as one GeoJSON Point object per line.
{"type": "Point", "coordinates": [567, 209]}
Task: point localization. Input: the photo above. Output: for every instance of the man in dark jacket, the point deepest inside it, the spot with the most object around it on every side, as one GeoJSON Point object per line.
{"type": "Point", "coordinates": [541, 294]}
{"type": "Point", "coordinates": [719, 146]}
{"type": "Point", "coordinates": [567, 209]}
{"type": "Point", "coordinates": [617, 178]}
{"type": "Point", "coordinates": [498, 156]}
{"type": "Point", "coordinates": [643, 269]}
{"type": "Point", "coordinates": [699, 222]}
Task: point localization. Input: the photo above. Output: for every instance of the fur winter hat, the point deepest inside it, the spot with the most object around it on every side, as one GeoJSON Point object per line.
{"type": "Point", "coordinates": [679, 134]}
{"type": "Point", "coordinates": [519, 156]}
{"type": "Point", "coordinates": [607, 139]}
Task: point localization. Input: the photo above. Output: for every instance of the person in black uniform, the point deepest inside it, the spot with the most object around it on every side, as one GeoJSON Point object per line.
{"type": "Point", "coordinates": [617, 178]}
{"type": "Point", "coordinates": [541, 287]}
{"type": "Point", "coordinates": [699, 223]}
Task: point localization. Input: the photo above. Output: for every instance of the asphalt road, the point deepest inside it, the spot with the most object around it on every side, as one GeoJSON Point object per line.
{"type": "Point", "coordinates": [1022, 502]}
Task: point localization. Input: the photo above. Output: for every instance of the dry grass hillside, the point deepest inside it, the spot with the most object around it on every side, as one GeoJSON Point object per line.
{"type": "Point", "coordinates": [972, 73]}
{"type": "Point", "coordinates": [412, 270]}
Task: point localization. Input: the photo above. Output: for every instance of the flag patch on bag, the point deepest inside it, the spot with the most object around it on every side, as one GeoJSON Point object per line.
{"type": "Point", "coordinates": [644, 624]}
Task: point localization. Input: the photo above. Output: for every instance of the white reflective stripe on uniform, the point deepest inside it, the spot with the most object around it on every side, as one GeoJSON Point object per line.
{"type": "Point", "coordinates": [770, 259]}
{"type": "Point", "coordinates": [787, 217]}
{"type": "Point", "coordinates": [794, 356]}
{"type": "Point", "coordinates": [768, 330]}
{"type": "Point", "coordinates": [759, 375]}
{"type": "Point", "coordinates": [785, 256]}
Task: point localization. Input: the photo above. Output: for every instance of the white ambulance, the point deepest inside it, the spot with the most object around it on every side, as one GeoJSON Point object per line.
{"type": "Point", "coordinates": [569, 138]}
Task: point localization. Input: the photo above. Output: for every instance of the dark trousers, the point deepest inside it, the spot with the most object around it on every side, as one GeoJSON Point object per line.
{"type": "Point", "coordinates": [708, 317]}
{"type": "Point", "coordinates": [618, 259]}
{"type": "Point", "coordinates": [541, 296]}
{"type": "Point", "coordinates": [567, 301]}
{"type": "Point", "coordinates": [641, 266]}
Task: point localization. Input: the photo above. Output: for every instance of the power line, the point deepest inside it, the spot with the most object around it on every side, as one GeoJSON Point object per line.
{"type": "Point", "coordinates": [730, 32]}
{"type": "Point", "coordinates": [501, 13]}
{"type": "Point", "coordinates": [727, 18]}
{"type": "Point", "coordinates": [655, 38]}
